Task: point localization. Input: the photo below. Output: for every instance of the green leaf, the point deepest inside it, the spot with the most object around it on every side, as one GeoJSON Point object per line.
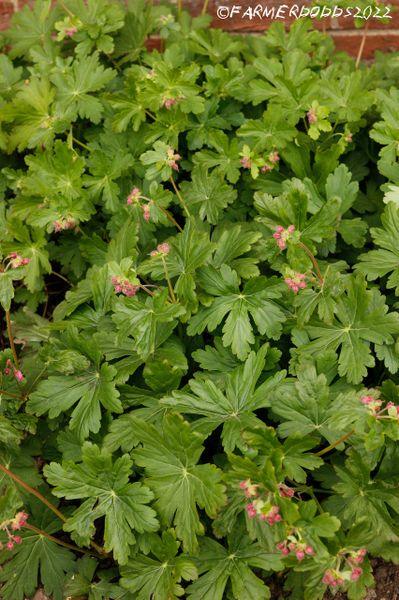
{"type": "Point", "coordinates": [76, 84]}
{"type": "Point", "coordinates": [36, 554]}
{"type": "Point", "coordinates": [150, 323]}
{"type": "Point", "coordinates": [361, 318]}
{"type": "Point", "coordinates": [207, 194]}
{"type": "Point", "coordinates": [108, 493]}
{"type": "Point", "coordinates": [58, 394]}
{"type": "Point", "coordinates": [169, 456]}
{"type": "Point", "coordinates": [158, 577]}
{"type": "Point", "coordinates": [220, 565]}
{"type": "Point", "coordinates": [255, 300]}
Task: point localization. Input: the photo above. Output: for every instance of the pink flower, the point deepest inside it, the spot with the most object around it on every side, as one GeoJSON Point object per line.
{"type": "Point", "coordinates": [285, 491]}
{"type": "Point", "coordinates": [246, 162]}
{"type": "Point", "coordinates": [312, 116]}
{"type": "Point", "coordinates": [163, 248]}
{"type": "Point", "coordinates": [366, 399]}
{"type": "Point", "coordinates": [18, 375]}
{"type": "Point", "coordinates": [266, 168]}
{"type": "Point", "coordinates": [251, 510]}
{"type": "Point", "coordinates": [134, 196]}
{"type": "Point", "coordinates": [356, 573]}
{"type": "Point", "coordinates": [274, 157]}
{"type": "Point", "coordinates": [296, 282]}
{"type": "Point", "coordinates": [19, 520]}
{"type": "Point", "coordinates": [250, 489]}
{"type": "Point", "coordinates": [10, 545]}
{"type": "Point", "coordinates": [146, 212]}
{"type": "Point", "coordinates": [168, 102]}
{"type": "Point", "coordinates": [309, 551]}
{"type": "Point", "coordinates": [18, 539]}
{"type": "Point", "coordinates": [17, 261]}
{"type": "Point", "coordinates": [300, 554]}
{"type": "Point", "coordinates": [57, 226]}
{"type": "Point", "coordinates": [70, 32]}
{"type": "Point", "coordinates": [281, 235]}
{"type": "Point", "coordinates": [172, 157]}
{"type": "Point", "coordinates": [126, 287]}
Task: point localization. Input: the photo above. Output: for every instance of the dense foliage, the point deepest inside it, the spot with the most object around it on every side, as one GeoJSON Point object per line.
{"type": "Point", "coordinates": [199, 278]}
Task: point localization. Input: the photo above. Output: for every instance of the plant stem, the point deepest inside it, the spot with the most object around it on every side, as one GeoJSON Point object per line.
{"type": "Point", "coordinates": [165, 268]}
{"type": "Point", "coordinates": [61, 277]}
{"type": "Point", "coordinates": [179, 8]}
{"type": "Point", "coordinates": [60, 542]}
{"type": "Point", "coordinates": [361, 47]}
{"type": "Point", "coordinates": [11, 338]}
{"type": "Point", "coordinates": [81, 144]}
{"type": "Point", "coordinates": [335, 444]}
{"type": "Point", "coordinates": [34, 492]}
{"type": "Point", "coordinates": [143, 287]}
{"type": "Point", "coordinates": [44, 500]}
{"type": "Point", "coordinates": [178, 194]}
{"type": "Point", "coordinates": [205, 7]}
{"type": "Point", "coordinates": [314, 262]}
{"type": "Point", "coordinates": [171, 218]}
{"type": "Point", "coordinates": [19, 397]}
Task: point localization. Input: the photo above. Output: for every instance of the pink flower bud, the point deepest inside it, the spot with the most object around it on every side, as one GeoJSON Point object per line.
{"type": "Point", "coordinates": [356, 573]}
{"type": "Point", "coordinates": [10, 545]}
{"type": "Point", "coordinates": [163, 248]}
{"type": "Point", "coordinates": [134, 196]}
{"type": "Point", "coordinates": [146, 212]}
{"type": "Point", "coordinates": [246, 162]}
{"type": "Point", "coordinates": [18, 375]}
{"type": "Point", "coordinates": [300, 554]}
{"type": "Point", "coordinates": [309, 551]}
{"type": "Point", "coordinates": [312, 116]}
{"type": "Point", "coordinates": [70, 32]}
{"type": "Point", "coordinates": [18, 539]}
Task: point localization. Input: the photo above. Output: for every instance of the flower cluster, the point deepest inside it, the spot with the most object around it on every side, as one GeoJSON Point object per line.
{"type": "Point", "coordinates": [346, 569]}
{"type": "Point", "coordinates": [162, 250]}
{"type": "Point", "coordinates": [295, 546]}
{"type": "Point", "coordinates": [134, 198]}
{"type": "Point", "coordinates": [14, 524]}
{"type": "Point", "coordinates": [61, 224]}
{"type": "Point", "coordinates": [296, 282]}
{"type": "Point", "coordinates": [264, 509]}
{"type": "Point", "coordinates": [265, 165]}
{"type": "Point", "coordinates": [169, 102]}
{"type": "Point", "coordinates": [124, 286]}
{"type": "Point", "coordinates": [285, 491]}
{"type": "Point", "coordinates": [281, 235]}
{"type": "Point", "coordinates": [172, 157]}
{"type": "Point", "coordinates": [374, 404]}
{"type": "Point", "coordinates": [16, 260]}
{"type": "Point", "coordinates": [10, 368]}
{"type": "Point", "coordinates": [312, 116]}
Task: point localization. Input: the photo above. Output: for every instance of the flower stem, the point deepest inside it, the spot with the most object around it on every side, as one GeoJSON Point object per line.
{"type": "Point", "coordinates": [60, 542]}
{"type": "Point", "coordinates": [335, 444]}
{"type": "Point", "coordinates": [178, 194]}
{"type": "Point", "coordinates": [361, 47]}
{"type": "Point", "coordinates": [179, 7]}
{"type": "Point", "coordinates": [314, 262]}
{"type": "Point", "coordinates": [171, 218]}
{"type": "Point", "coordinates": [44, 500]}
{"type": "Point", "coordinates": [165, 268]}
{"type": "Point", "coordinates": [18, 396]}
{"type": "Point", "coordinates": [81, 144]}
{"type": "Point", "coordinates": [11, 339]}
{"type": "Point", "coordinates": [205, 7]}
{"type": "Point", "coordinates": [34, 492]}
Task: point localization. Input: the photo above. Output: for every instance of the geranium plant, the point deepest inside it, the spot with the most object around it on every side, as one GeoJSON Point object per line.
{"type": "Point", "coordinates": [198, 280]}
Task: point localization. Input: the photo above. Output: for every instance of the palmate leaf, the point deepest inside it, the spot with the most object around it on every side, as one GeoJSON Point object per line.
{"type": "Point", "coordinates": [256, 299]}
{"type": "Point", "coordinates": [358, 493]}
{"type": "Point", "coordinates": [108, 493]}
{"type": "Point", "coordinates": [220, 565]}
{"type": "Point", "coordinates": [378, 263]}
{"type": "Point", "coordinates": [361, 318]}
{"type": "Point", "coordinates": [224, 159]}
{"type": "Point", "coordinates": [235, 408]}
{"type": "Point", "coordinates": [75, 85]}
{"type": "Point", "coordinates": [150, 322]}
{"type": "Point", "coordinates": [207, 194]}
{"type": "Point", "coordinates": [158, 577]}
{"type": "Point", "coordinates": [89, 391]}
{"type": "Point", "coordinates": [169, 455]}
{"type": "Point", "coordinates": [35, 557]}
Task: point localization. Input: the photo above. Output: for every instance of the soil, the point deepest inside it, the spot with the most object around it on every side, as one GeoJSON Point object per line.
{"type": "Point", "coordinates": [386, 577]}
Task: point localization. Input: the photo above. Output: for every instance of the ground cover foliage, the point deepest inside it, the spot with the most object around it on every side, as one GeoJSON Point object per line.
{"type": "Point", "coordinates": [199, 279]}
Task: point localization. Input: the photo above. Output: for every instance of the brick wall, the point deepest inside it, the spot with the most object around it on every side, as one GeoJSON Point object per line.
{"type": "Point", "coordinates": [380, 36]}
